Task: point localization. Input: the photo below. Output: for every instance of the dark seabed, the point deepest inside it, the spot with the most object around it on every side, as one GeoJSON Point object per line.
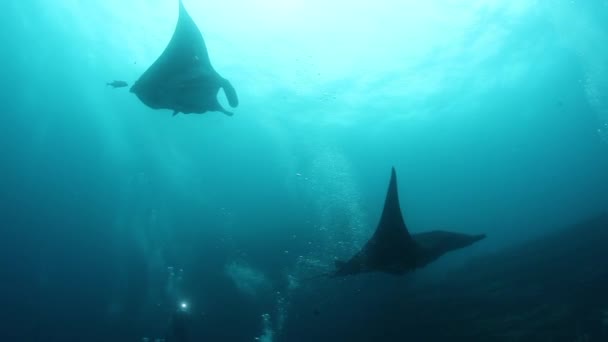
{"type": "Point", "coordinates": [123, 223]}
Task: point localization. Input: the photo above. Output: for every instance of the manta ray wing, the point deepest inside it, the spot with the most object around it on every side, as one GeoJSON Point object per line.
{"type": "Point", "coordinates": [391, 249]}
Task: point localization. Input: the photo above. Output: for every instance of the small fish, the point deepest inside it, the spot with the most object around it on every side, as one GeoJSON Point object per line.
{"type": "Point", "coordinates": [118, 84]}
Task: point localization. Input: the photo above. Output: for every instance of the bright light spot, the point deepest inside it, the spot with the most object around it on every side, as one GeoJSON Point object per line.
{"type": "Point", "coordinates": [184, 305]}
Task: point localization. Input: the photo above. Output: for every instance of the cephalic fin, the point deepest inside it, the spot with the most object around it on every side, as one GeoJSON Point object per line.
{"type": "Point", "coordinates": [233, 99]}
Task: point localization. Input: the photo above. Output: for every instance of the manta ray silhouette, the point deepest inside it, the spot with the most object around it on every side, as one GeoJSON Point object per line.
{"type": "Point", "coordinates": [182, 79]}
{"type": "Point", "coordinates": [392, 249]}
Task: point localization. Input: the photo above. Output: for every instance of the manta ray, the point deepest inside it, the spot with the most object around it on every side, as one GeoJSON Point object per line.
{"type": "Point", "coordinates": [392, 249]}
{"type": "Point", "coordinates": [182, 78]}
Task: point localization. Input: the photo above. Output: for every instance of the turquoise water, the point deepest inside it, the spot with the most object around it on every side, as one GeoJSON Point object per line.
{"type": "Point", "coordinates": [495, 116]}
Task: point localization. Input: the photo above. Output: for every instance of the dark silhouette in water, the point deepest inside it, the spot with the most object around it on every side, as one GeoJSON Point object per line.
{"type": "Point", "coordinates": [550, 288]}
{"type": "Point", "coordinates": [179, 326]}
{"type": "Point", "coordinates": [182, 78]}
{"type": "Point", "coordinates": [118, 84]}
{"type": "Point", "coordinates": [393, 250]}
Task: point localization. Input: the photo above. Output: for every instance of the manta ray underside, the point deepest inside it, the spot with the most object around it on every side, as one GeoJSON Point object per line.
{"type": "Point", "coordinates": [182, 78]}
{"type": "Point", "coordinates": [393, 250]}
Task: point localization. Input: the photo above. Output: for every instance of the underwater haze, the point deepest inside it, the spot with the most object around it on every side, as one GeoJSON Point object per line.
{"type": "Point", "coordinates": [113, 216]}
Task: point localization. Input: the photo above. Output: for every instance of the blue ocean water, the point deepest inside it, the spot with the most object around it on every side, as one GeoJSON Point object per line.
{"type": "Point", "coordinates": [115, 216]}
